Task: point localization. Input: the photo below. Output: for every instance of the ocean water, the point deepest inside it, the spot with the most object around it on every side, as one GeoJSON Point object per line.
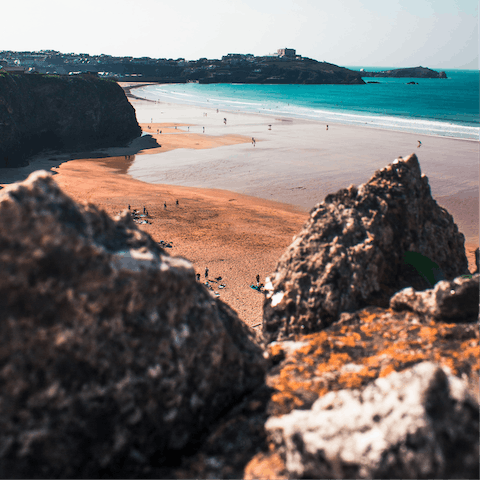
{"type": "Point", "coordinates": [442, 107]}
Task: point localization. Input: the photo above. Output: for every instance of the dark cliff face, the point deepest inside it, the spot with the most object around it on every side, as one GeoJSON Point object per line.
{"type": "Point", "coordinates": [304, 71]}
{"type": "Point", "coordinates": [268, 71]}
{"type": "Point", "coordinates": [39, 112]}
{"type": "Point", "coordinates": [415, 72]}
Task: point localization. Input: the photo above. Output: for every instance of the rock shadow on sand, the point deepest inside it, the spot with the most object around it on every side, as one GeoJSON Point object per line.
{"type": "Point", "coordinates": [118, 158]}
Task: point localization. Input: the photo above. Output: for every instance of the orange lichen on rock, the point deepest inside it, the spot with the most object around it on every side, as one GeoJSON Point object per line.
{"type": "Point", "coordinates": [266, 466]}
{"type": "Point", "coordinates": [356, 379]}
{"type": "Point", "coordinates": [376, 343]}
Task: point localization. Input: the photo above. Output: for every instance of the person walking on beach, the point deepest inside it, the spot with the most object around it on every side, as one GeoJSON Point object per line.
{"type": "Point", "coordinates": [225, 121]}
{"type": "Point", "coordinates": [203, 129]}
{"type": "Point", "coordinates": [327, 127]}
{"type": "Point", "coordinates": [206, 272]}
{"type": "Point", "coordinates": [419, 144]}
{"type": "Point", "coordinates": [144, 209]}
{"type": "Point", "coordinates": [176, 203]}
{"type": "Point", "coordinates": [164, 205]}
{"type": "Point", "coordinates": [258, 280]}
{"type": "Point", "coordinates": [253, 141]}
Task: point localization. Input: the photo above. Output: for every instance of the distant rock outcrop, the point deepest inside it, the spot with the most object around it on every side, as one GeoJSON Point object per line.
{"type": "Point", "coordinates": [113, 359]}
{"type": "Point", "coordinates": [420, 423]}
{"type": "Point", "coordinates": [39, 112]}
{"type": "Point", "coordinates": [275, 71]}
{"type": "Point", "coordinates": [414, 72]}
{"type": "Point", "coordinates": [350, 254]}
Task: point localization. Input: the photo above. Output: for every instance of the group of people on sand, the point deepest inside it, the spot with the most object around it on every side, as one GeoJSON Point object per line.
{"type": "Point", "coordinates": [135, 212]}
{"type": "Point", "coordinates": [259, 286]}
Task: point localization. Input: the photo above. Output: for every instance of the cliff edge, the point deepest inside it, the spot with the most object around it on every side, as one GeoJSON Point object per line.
{"type": "Point", "coordinates": [39, 112]}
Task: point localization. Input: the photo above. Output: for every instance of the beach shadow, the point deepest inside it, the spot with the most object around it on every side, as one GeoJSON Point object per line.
{"type": "Point", "coordinates": [118, 158]}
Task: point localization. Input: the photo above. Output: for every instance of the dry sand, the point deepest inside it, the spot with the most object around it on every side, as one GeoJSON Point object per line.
{"type": "Point", "coordinates": [226, 218]}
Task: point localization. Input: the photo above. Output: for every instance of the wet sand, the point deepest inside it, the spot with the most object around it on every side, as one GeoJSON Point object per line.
{"type": "Point", "coordinates": [240, 205]}
{"type": "Point", "coordinates": [299, 162]}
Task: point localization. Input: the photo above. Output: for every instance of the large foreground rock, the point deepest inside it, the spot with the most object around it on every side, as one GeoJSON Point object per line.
{"type": "Point", "coordinates": [420, 423]}
{"type": "Point", "coordinates": [350, 254]}
{"type": "Point", "coordinates": [113, 359]}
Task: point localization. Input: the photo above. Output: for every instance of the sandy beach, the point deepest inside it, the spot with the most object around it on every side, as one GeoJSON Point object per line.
{"type": "Point", "coordinates": [240, 204]}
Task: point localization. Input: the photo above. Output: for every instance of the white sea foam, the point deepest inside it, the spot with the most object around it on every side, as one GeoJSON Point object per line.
{"type": "Point", "coordinates": [277, 108]}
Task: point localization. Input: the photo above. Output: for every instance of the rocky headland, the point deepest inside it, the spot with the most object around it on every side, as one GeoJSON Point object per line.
{"type": "Point", "coordinates": [414, 72]}
{"type": "Point", "coordinates": [64, 114]}
{"type": "Point", "coordinates": [275, 71]}
{"type": "Point", "coordinates": [116, 363]}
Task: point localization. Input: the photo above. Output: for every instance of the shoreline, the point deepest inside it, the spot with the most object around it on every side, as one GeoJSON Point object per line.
{"type": "Point", "coordinates": [324, 161]}
{"type": "Point", "coordinates": [236, 234]}
{"type": "Point", "coordinates": [272, 116]}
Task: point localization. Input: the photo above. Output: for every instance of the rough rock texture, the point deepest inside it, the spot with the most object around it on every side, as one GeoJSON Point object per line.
{"type": "Point", "coordinates": [363, 346]}
{"type": "Point", "coordinates": [350, 254]}
{"type": "Point", "coordinates": [420, 423]}
{"type": "Point", "coordinates": [39, 112]}
{"type": "Point", "coordinates": [448, 301]}
{"type": "Point", "coordinates": [366, 345]}
{"type": "Point", "coordinates": [113, 359]}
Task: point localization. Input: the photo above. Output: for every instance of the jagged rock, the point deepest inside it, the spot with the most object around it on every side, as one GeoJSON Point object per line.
{"type": "Point", "coordinates": [420, 423]}
{"type": "Point", "coordinates": [351, 252]}
{"type": "Point", "coordinates": [113, 359]}
{"type": "Point", "coordinates": [455, 301]}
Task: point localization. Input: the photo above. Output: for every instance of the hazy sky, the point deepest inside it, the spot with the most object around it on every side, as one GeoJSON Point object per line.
{"type": "Point", "coordinates": [397, 33]}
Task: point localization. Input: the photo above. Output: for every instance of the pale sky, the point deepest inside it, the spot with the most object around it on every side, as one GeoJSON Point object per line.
{"type": "Point", "coordinates": [394, 33]}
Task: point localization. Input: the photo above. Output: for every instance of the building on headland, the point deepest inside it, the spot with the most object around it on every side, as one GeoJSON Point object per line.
{"type": "Point", "coordinates": [286, 52]}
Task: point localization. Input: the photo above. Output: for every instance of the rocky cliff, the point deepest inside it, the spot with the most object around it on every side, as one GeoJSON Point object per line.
{"type": "Point", "coordinates": [260, 71]}
{"type": "Point", "coordinates": [414, 72]}
{"type": "Point", "coordinates": [305, 71]}
{"type": "Point", "coordinates": [39, 112]}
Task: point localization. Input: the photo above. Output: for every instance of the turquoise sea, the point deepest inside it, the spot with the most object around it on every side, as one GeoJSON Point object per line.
{"type": "Point", "coordinates": [444, 107]}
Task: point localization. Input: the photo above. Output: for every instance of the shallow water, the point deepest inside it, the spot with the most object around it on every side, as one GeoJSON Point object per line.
{"type": "Point", "coordinates": [443, 107]}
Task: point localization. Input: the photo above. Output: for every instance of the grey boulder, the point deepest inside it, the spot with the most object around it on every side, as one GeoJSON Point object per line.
{"type": "Point", "coordinates": [420, 423]}
{"type": "Point", "coordinates": [455, 301]}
